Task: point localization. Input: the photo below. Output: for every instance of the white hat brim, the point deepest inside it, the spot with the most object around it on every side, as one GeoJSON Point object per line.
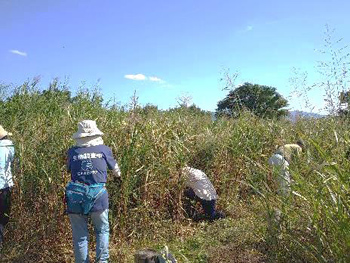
{"type": "Point", "coordinates": [79, 135]}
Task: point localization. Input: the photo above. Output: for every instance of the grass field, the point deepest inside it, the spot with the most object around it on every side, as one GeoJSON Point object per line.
{"type": "Point", "coordinates": [145, 206]}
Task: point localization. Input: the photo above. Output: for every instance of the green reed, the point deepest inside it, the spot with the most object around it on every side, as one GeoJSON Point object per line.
{"type": "Point", "coordinates": [150, 146]}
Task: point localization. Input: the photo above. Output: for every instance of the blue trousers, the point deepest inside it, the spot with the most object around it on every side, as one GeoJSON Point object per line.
{"type": "Point", "coordinates": [80, 231]}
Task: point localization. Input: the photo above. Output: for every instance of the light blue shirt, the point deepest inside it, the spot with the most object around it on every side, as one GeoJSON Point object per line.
{"type": "Point", "coordinates": [7, 153]}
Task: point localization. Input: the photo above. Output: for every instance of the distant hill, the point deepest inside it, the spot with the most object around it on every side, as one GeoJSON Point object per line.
{"type": "Point", "coordinates": [294, 115]}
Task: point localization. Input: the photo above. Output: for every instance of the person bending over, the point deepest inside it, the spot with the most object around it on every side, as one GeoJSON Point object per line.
{"type": "Point", "coordinates": [200, 189]}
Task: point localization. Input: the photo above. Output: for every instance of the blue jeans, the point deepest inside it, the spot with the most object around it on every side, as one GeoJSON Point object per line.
{"type": "Point", "coordinates": [80, 231]}
{"type": "Point", "coordinates": [208, 206]}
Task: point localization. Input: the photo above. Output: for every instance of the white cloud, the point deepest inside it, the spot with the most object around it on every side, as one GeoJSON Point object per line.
{"type": "Point", "coordinates": [156, 79]}
{"type": "Point", "coordinates": [17, 52]}
{"type": "Point", "coordinates": [245, 29]}
{"type": "Point", "coordinates": [143, 77]}
{"type": "Point", "coordinates": [249, 28]}
{"type": "Point", "coordinates": [136, 77]}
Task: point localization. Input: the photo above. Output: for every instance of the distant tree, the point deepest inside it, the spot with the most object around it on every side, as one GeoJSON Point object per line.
{"type": "Point", "coordinates": [194, 109]}
{"type": "Point", "coordinates": [149, 109]}
{"type": "Point", "coordinates": [190, 109]}
{"type": "Point", "coordinates": [263, 101]}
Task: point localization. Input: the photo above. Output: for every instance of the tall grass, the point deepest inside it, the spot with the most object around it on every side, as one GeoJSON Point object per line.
{"type": "Point", "coordinates": [315, 219]}
{"type": "Point", "coordinates": [150, 145]}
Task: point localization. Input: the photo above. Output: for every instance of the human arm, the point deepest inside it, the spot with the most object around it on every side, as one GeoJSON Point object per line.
{"type": "Point", "coordinates": [116, 170]}
{"type": "Point", "coordinates": [112, 163]}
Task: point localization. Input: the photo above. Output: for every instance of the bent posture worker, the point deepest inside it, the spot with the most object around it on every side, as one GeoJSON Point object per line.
{"type": "Point", "coordinates": [200, 189]}
{"type": "Point", "coordinates": [281, 160]}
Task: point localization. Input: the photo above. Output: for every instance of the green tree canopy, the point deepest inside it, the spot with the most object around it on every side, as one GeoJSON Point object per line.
{"type": "Point", "coordinates": [262, 101]}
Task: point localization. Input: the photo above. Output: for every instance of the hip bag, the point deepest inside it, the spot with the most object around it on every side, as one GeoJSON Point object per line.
{"type": "Point", "coordinates": [81, 197]}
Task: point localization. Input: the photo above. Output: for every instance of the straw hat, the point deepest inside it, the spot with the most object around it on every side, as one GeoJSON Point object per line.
{"type": "Point", "coordinates": [87, 128]}
{"type": "Point", "coordinates": [3, 133]}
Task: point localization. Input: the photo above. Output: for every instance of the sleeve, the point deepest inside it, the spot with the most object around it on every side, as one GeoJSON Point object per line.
{"type": "Point", "coordinates": [12, 153]}
{"type": "Point", "coordinates": [111, 162]}
{"type": "Point", "coordinates": [9, 156]}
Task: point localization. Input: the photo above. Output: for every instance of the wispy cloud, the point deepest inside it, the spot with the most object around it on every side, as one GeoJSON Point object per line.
{"type": "Point", "coordinates": [136, 77]}
{"type": "Point", "coordinates": [155, 79]}
{"type": "Point", "coordinates": [143, 77]}
{"type": "Point", "coordinates": [249, 28]}
{"type": "Point", "coordinates": [17, 52]}
{"type": "Point", "coordinates": [246, 29]}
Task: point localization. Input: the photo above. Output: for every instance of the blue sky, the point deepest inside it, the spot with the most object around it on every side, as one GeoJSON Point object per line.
{"type": "Point", "coordinates": [166, 49]}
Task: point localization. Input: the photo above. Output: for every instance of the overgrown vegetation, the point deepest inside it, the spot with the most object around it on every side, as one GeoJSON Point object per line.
{"type": "Point", "coordinates": [145, 205]}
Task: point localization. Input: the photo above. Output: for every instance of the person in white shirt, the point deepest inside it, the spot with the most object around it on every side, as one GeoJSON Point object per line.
{"type": "Point", "coordinates": [7, 152]}
{"type": "Point", "coordinates": [281, 159]}
{"type": "Point", "coordinates": [200, 189]}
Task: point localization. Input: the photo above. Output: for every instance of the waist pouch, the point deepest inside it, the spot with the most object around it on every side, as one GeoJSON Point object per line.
{"type": "Point", "coordinates": [81, 198]}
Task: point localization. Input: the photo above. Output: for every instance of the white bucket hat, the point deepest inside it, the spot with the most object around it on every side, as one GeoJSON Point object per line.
{"type": "Point", "coordinates": [3, 133]}
{"type": "Point", "coordinates": [87, 128]}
